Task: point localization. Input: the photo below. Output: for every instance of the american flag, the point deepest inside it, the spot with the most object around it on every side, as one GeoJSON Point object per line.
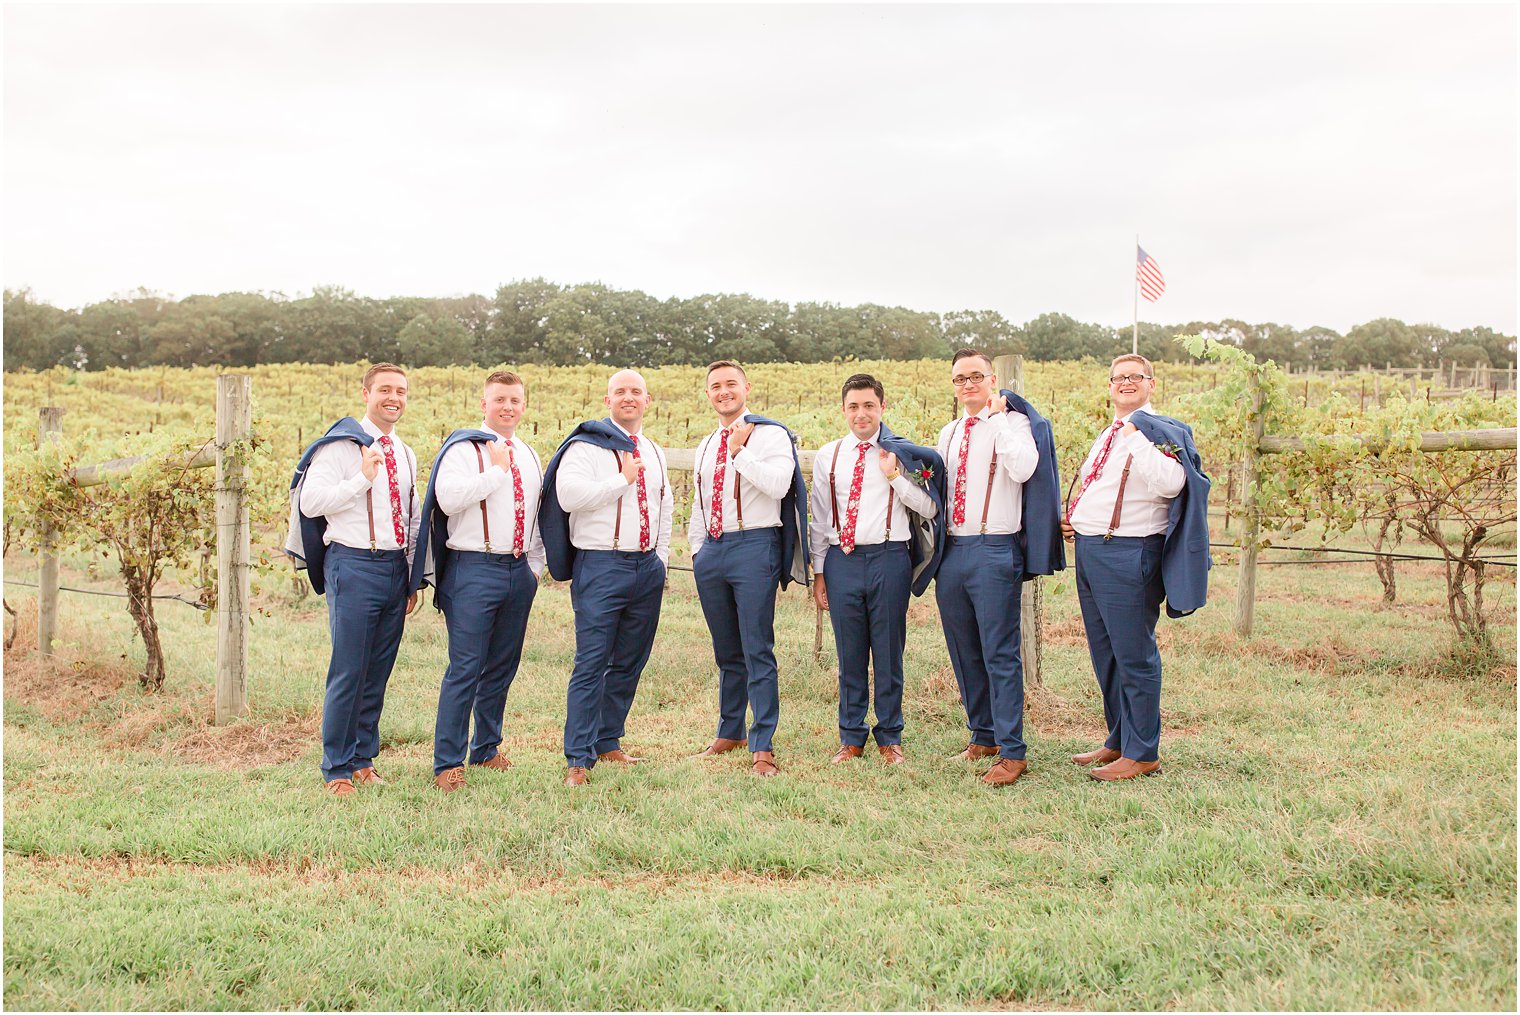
{"type": "Point", "coordinates": [1148, 274]}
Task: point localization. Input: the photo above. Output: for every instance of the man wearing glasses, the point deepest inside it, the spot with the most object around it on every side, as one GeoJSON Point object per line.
{"type": "Point", "coordinates": [989, 454]}
{"type": "Point", "coordinates": [1138, 513]}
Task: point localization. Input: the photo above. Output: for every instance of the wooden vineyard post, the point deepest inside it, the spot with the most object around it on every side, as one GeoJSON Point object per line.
{"type": "Point", "coordinates": [1245, 600]}
{"type": "Point", "coordinates": [49, 431]}
{"type": "Point", "coordinates": [234, 416]}
{"type": "Point", "coordinates": [1010, 370]}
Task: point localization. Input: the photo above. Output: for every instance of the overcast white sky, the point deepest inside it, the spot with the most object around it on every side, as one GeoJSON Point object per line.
{"type": "Point", "coordinates": [1299, 164]}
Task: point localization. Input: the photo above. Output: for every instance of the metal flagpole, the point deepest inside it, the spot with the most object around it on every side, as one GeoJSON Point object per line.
{"type": "Point", "coordinates": [1134, 345]}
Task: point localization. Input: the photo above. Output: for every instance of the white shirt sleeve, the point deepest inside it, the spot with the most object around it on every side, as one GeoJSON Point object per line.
{"type": "Point", "coordinates": [460, 483]}
{"type": "Point", "coordinates": [1014, 440]}
{"type": "Point", "coordinates": [1162, 474]}
{"type": "Point", "coordinates": [328, 486]}
{"type": "Point", "coordinates": [821, 518]}
{"type": "Point", "coordinates": [579, 487]}
{"type": "Point", "coordinates": [766, 461]}
{"type": "Point", "coordinates": [914, 497]}
{"type": "Point", "coordinates": [667, 515]}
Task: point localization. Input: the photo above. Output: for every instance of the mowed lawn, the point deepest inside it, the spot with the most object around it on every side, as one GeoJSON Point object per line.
{"type": "Point", "coordinates": [1334, 827]}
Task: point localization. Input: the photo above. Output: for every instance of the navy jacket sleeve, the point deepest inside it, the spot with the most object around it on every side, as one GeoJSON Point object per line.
{"type": "Point", "coordinates": [926, 545]}
{"type": "Point", "coordinates": [306, 543]}
{"type": "Point", "coordinates": [1185, 559]}
{"type": "Point", "coordinates": [1044, 547]}
{"type": "Point", "coordinates": [553, 520]}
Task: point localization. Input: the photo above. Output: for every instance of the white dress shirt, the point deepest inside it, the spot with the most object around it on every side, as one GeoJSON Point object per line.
{"type": "Point", "coordinates": [871, 519]}
{"type": "Point", "coordinates": [592, 489]}
{"type": "Point", "coordinates": [1010, 434]}
{"type": "Point", "coordinates": [335, 486]}
{"type": "Point", "coordinates": [1154, 480]}
{"type": "Point", "coordinates": [763, 468]}
{"type": "Point", "coordinates": [461, 485]}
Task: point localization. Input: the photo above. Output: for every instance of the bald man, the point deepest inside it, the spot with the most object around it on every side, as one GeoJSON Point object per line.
{"type": "Point", "coordinates": [606, 521]}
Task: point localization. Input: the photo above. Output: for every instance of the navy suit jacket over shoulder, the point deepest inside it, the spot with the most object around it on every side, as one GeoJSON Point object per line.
{"type": "Point", "coordinates": [553, 520]}
{"type": "Point", "coordinates": [1185, 559]}
{"type": "Point", "coordinates": [433, 536]}
{"type": "Point", "coordinates": [1044, 547]}
{"type": "Point", "coordinates": [306, 544]}
{"type": "Point", "coordinates": [926, 545]}
{"type": "Point", "coordinates": [794, 523]}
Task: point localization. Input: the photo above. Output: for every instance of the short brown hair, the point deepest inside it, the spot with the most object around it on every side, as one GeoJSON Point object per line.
{"type": "Point", "coordinates": [720, 364]}
{"type": "Point", "coordinates": [381, 368]}
{"type": "Point", "coordinates": [507, 377]}
{"type": "Point", "coordinates": [859, 382]}
{"type": "Point", "coordinates": [1135, 357]}
{"type": "Point", "coordinates": [961, 354]}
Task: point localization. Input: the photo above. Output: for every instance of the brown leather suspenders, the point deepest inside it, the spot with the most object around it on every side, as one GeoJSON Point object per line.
{"type": "Point", "coordinates": [485, 518]}
{"type": "Point", "coordinates": [1113, 522]}
{"type": "Point", "coordinates": [834, 494]}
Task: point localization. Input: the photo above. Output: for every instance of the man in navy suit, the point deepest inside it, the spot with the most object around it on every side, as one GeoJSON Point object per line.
{"type": "Point", "coordinates": [748, 535]}
{"type": "Point", "coordinates": [876, 520]}
{"type": "Point", "coordinates": [1139, 518]}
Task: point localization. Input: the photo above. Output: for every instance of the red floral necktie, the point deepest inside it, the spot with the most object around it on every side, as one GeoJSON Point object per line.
{"type": "Point", "coordinates": [959, 515]}
{"type": "Point", "coordinates": [720, 470]}
{"type": "Point", "coordinates": [852, 506]}
{"type": "Point", "coordinates": [390, 472]}
{"type": "Point", "coordinates": [1097, 469]}
{"type": "Point", "coordinates": [518, 510]}
{"type": "Point", "coordinates": [643, 503]}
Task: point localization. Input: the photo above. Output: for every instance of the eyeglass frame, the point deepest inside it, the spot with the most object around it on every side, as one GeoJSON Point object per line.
{"type": "Point", "coordinates": [976, 378]}
{"type": "Point", "coordinates": [1131, 378]}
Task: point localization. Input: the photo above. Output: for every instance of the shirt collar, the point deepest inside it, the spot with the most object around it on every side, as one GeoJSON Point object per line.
{"type": "Point", "coordinates": [487, 428]}
{"type": "Point", "coordinates": [374, 431]}
{"type": "Point", "coordinates": [737, 420]}
{"type": "Point", "coordinates": [986, 412]}
{"type": "Point", "coordinates": [631, 436]}
{"type": "Point", "coordinates": [1144, 408]}
{"type": "Point", "coordinates": [874, 440]}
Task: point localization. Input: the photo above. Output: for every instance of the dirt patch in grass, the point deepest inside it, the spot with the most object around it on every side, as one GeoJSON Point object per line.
{"type": "Point", "coordinates": [1053, 716]}
{"type": "Point", "coordinates": [1329, 654]}
{"type": "Point", "coordinates": [61, 687]}
{"type": "Point", "coordinates": [250, 744]}
{"type": "Point", "coordinates": [1066, 631]}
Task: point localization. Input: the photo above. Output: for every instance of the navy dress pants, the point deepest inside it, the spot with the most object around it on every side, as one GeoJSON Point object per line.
{"type": "Point", "coordinates": [485, 598]}
{"type": "Point", "coordinates": [868, 607]}
{"type": "Point", "coordinates": [616, 595]}
{"type": "Point", "coordinates": [979, 604]}
{"type": "Point", "coordinates": [1119, 587]}
{"type": "Point", "coordinates": [737, 575]}
{"type": "Point", "coordinates": [366, 610]}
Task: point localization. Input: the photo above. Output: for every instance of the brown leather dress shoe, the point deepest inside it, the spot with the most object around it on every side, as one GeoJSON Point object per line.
{"type": "Point", "coordinates": [449, 779]}
{"type": "Point", "coordinates": [1101, 756]}
{"type": "Point", "coordinates": [339, 787]}
{"type": "Point", "coordinates": [721, 746]}
{"type": "Point", "coordinates": [576, 776]}
{"type": "Point", "coordinates": [891, 754]}
{"type": "Point", "coordinates": [368, 775]}
{"type": "Point", "coordinates": [975, 751]}
{"type": "Point", "coordinates": [1125, 768]}
{"type": "Point", "coordinates": [1006, 772]}
{"type": "Point", "coordinates": [846, 752]}
{"type": "Point", "coordinates": [620, 757]}
{"type": "Point", "coordinates": [499, 762]}
{"type": "Point", "coordinates": [764, 764]}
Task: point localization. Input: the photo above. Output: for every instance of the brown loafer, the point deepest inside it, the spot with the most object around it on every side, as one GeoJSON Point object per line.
{"type": "Point", "coordinates": [846, 752]}
{"type": "Point", "coordinates": [1006, 772]}
{"type": "Point", "coordinates": [576, 776]}
{"type": "Point", "coordinates": [1101, 756]}
{"type": "Point", "coordinates": [891, 754]}
{"type": "Point", "coordinates": [721, 746]}
{"type": "Point", "coordinates": [449, 779]}
{"type": "Point", "coordinates": [1125, 768]}
{"type": "Point", "coordinates": [620, 757]}
{"type": "Point", "coordinates": [500, 762]}
{"type": "Point", "coordinates": [764, 764]}
{"type": "Point", "coordinates": [368, 775]}
{"type": "Point", "coordinates": [975, 751]}
{"type": "Point", "coordinates": [339, 787]}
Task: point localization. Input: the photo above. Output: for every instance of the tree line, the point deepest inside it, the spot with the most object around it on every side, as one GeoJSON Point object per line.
{"type": "Point", "coordinates": [535, 321]}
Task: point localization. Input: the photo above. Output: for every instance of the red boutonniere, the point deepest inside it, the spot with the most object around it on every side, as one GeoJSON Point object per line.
{"type": "Point", "coordinates": [1169, 450]}
{"type": "Point", "coordinates": [921, 477]}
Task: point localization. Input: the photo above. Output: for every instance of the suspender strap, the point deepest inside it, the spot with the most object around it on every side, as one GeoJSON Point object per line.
{"type": "Point", "coordinates": [617, 526]}
{"type": "Point", "coordinates": [833, 490]}
{"type": "Point", "coordinates": [890, 494]}
{"type": "Point", "coordinates": [485, 518]}
{"type": "Point", "coordinates": [1069, 488]}
{"type": "Point", "coordinates": [991, 472]}
{"type": "Point", "coordinates": [369, 504]}
{"type": "Point", "coordinates": [1113, 523]}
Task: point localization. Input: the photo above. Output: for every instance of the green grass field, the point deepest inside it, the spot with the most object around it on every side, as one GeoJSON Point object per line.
{"type": "Point", "coordinates": [1334, 827]}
